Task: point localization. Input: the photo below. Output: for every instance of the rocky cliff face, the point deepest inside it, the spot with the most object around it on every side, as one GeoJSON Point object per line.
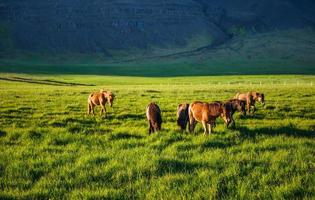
{"type": "Point", "coordinates": [105, 26]}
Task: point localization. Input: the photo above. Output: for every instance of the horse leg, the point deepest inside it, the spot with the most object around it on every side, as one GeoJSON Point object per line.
{"type": "Point", "coordinates": [233, 122]}
{"type": "Point", "coordinates": [214, 124]}
{"type": "Point", "coordinates": [254, 108]}
{"type": "Point", "coordinates": [101, 112]}
{"type": "Point", "coordinates": [209, 128]}
{"type": "Point", "coordinates": [150, 127]}
{"type": "Point", "coordinates": [103, 109]}
{"type": "Point", "coordinates": [92, 108]}
{"type": "Point", "coordinates": [248, 107]}
{"type": "Point", "coordinates": [89, 109]}
{"type": "Point", "coordinates": [205, 127]}
{"type": "Point", "coordinates": [191, 124]}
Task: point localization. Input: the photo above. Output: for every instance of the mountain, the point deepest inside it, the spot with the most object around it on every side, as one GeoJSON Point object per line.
{"type": "Point", "coordinates": [131, 29]}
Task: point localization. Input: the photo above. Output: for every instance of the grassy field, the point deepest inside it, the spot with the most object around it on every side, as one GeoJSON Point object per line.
{"type": "Point", "coordinates": [50, 148]}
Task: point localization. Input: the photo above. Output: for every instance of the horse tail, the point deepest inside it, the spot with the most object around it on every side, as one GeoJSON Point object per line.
{"type": "Point", "coordinates": [236, 95]}
{"type": "Point", "coordinates": [188, 112]}
{"type": "Point", "coordinates": [89, 108]}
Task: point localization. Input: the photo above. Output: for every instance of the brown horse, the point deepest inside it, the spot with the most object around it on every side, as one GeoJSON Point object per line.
{"type": "Point", "coordinates": [182, 115]}
{"type": "Point", "coordinates": [237, 105]}
{"type": "Point", "coordinates": [100, 98]}
{"type": "Point", "coordinates": [206, 113]}
{"type": "Point", "coordinates": [154, 117]}
{"type": "Point", "coordinates": [250, 98]}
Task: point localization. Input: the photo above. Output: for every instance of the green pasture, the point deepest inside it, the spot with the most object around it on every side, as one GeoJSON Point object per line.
{"type": "Point", "coordinates": [51, 149]}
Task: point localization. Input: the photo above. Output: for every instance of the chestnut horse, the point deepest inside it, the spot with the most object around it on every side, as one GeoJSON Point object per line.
{"type": "Point", "coordinates": [206, 113]}
{"type": "Point", "coordinates": [100, 98]}
{"type": "Point", "coordinates": [154, 117]}
{"type": "Point", "coordinates": [250, 98]}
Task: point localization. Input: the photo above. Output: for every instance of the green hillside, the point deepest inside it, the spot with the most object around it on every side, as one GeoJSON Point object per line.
{"type": "Point", "coordinates": [282, 52]}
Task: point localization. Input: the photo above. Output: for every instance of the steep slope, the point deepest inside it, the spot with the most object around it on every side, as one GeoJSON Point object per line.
{"type": "Point", "coordinates": [109, 27]}
{"type": "Point", "coordinates": [104, 26]}
{"type": "Point", "coordinates": [260, 15]}
{"type": "Point", "coordinates": [168, 31]}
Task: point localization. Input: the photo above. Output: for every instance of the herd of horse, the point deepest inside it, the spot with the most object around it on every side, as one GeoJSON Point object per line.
{"type": "Point", "coordinates": [189, 114]}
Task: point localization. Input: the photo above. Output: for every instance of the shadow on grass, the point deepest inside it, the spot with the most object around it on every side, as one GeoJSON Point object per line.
{"type": "Point", "coordinates": [43, 81]}
{"type": "Point", "coordinates": [168, 166]}
{"type": "Point", "coordinates": [80, 121]}
{"type": "Point", "coordinates": [253, 116]}
{"type": "Point", "coordinates": [69, 121]}
{"type": "Point", "coordinates": [216, 144]}
{"type": "Point", "coordinates": [130, 116]}
{"type": "Point", "coordinates": [289, 130]}
{"type": "Point", "coordinates": [152, 91]}
{"type": "Point", "coordinates": [19, 111]}
{"type": "Point", "coordinates": [119, 136]}
{"type": "Point", "coordinates": [3, 133]}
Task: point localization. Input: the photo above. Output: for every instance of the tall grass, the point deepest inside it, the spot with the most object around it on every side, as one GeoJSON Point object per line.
{"type": "Point", "coordinates": [50, 148]}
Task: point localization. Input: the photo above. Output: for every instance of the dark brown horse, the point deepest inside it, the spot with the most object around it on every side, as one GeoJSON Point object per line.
{"type": "Point", "coordinates": [250, 98]}
{"type": "Point", "coordinates": [153, 113]}
{"type": "Point", "coordinates": [100, 98]}
{"type": "Point", "coordinates": [182, 116]}
{"type": "Point", "coordinates": [237, 105]}
{"type": "Point", "coordinates": [207, 113]}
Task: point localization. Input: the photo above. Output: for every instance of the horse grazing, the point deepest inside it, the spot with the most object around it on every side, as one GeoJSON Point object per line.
{"type": "Point", "coordinates": [182, 115]}
{"type": "Point", "coordinates": [100, 98]}
{"type": "Point", "coordinates": [207, 113]}
{"type": "Point", "coordinates": [153, 113]}
{"type": "Point", "coordinates": [237, 105]}
{"type": "Point", "coordinates": [250, 98]}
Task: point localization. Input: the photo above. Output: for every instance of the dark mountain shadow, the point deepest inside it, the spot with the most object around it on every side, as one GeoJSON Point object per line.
{"type": "Point", "coordinates": [43, 81]}
{"type": "Point", "coordinates": [270, 131]}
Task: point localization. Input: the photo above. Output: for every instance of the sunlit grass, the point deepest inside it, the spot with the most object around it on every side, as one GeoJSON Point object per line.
{"type": "Point", "coordinates": [50, 148]}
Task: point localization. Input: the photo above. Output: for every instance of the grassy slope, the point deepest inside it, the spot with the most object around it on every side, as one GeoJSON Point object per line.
{"type": "Point", "coordinates": [49, 148]}
{"type": "Point", "coordinates": [283, 52]}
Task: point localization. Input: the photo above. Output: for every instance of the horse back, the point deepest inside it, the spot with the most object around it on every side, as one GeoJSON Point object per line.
{"type": "Point", "coordinates": [198, 110]}
{"type": "Point", "coordinates": [241, 96]}
{"type": "Point", "coordinates": [205, 111]}
{"type": "Point", "coordinates": [154, 113]}
{"type": "Point", "coordinates": [96, 98]}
